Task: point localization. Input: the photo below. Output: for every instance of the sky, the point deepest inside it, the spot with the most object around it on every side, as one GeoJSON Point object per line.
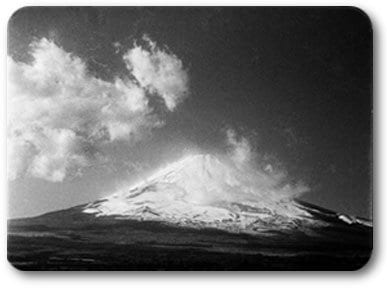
{"type": "Point", "coordinates": [98, 97]}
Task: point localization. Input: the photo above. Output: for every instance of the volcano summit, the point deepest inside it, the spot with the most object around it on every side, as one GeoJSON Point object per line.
{"type": "Point", "coordinates": [200, 191]}
{"type": "Point", "coordinates": [194, 214]}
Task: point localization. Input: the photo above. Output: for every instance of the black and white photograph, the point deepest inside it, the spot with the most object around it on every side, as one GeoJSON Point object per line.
{"type": "Point", "coordinates": [189, 138]}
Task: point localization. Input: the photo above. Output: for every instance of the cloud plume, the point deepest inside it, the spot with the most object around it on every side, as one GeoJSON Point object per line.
{"type": "Point", "coordinates": [241, 151]}
{"type": "Point", "coordinates": [60, 115]}
{"type": "Point", "coordinates": [264, 176]}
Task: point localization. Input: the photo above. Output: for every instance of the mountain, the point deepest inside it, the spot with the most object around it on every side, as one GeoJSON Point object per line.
{"type": "Point", "coordinates": [200, 191]}
{"type": "Point", "coordinates": [200, 212]}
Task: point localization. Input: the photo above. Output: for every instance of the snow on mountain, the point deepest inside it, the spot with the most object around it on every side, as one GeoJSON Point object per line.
{"type": "Point", "coordinates": [206, 192]}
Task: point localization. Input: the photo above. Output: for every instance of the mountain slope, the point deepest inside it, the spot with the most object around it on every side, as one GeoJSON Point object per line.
{"type": "Point", "coordinates": [197, 213]}
{"type": "Point", "coordinates": [201, 191]}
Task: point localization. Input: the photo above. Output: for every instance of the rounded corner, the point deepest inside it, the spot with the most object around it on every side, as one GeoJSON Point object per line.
{"type": "Point", "coordinates": [363, 14]}
{"type": "Point", "coordinates": [15, 266]}
{"type": "Point", "coordinates": [17, 12]}
{"type": "Point", "coordinates": [366, 263]}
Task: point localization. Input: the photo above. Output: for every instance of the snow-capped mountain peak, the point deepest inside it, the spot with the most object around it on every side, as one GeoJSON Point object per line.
{"type": "Point", "coordinates": [205, 191]}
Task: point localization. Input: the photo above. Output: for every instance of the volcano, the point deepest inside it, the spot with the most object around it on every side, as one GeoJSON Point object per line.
{"type": "Point", "coordinates": [199, 213]}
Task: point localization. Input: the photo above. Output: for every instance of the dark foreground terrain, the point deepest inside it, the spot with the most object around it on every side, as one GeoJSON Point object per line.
{"type": "Point", "coordinates": [71, 240]}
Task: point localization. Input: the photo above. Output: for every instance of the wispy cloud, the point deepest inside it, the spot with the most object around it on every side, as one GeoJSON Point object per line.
{"type": "Point", "coordinates": [241, 151]}
{"type": "Point", "coordinates": [264, 176]}
{"type": "Point", "coordinates": [59, 114]}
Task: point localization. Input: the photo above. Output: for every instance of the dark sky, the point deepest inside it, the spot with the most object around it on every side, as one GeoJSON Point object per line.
{"type": "Point", "coordinates": [297, 81]}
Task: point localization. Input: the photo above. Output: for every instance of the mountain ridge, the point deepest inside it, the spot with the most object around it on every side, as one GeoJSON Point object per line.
{"type": "Point", "coordinates": [162, 223]}
{"type": "Point", "coordinates": [202, 191]}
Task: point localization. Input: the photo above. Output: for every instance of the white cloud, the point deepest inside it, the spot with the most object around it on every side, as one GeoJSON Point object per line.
{"type": "Point", "coordinates": [241, 151]}
{"type": "Point", "coordinates": [158, 72]}
{"type": "Point", "coordinates": [264, 176]}
{"type": "Point", "coordinates": [59, 114]}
